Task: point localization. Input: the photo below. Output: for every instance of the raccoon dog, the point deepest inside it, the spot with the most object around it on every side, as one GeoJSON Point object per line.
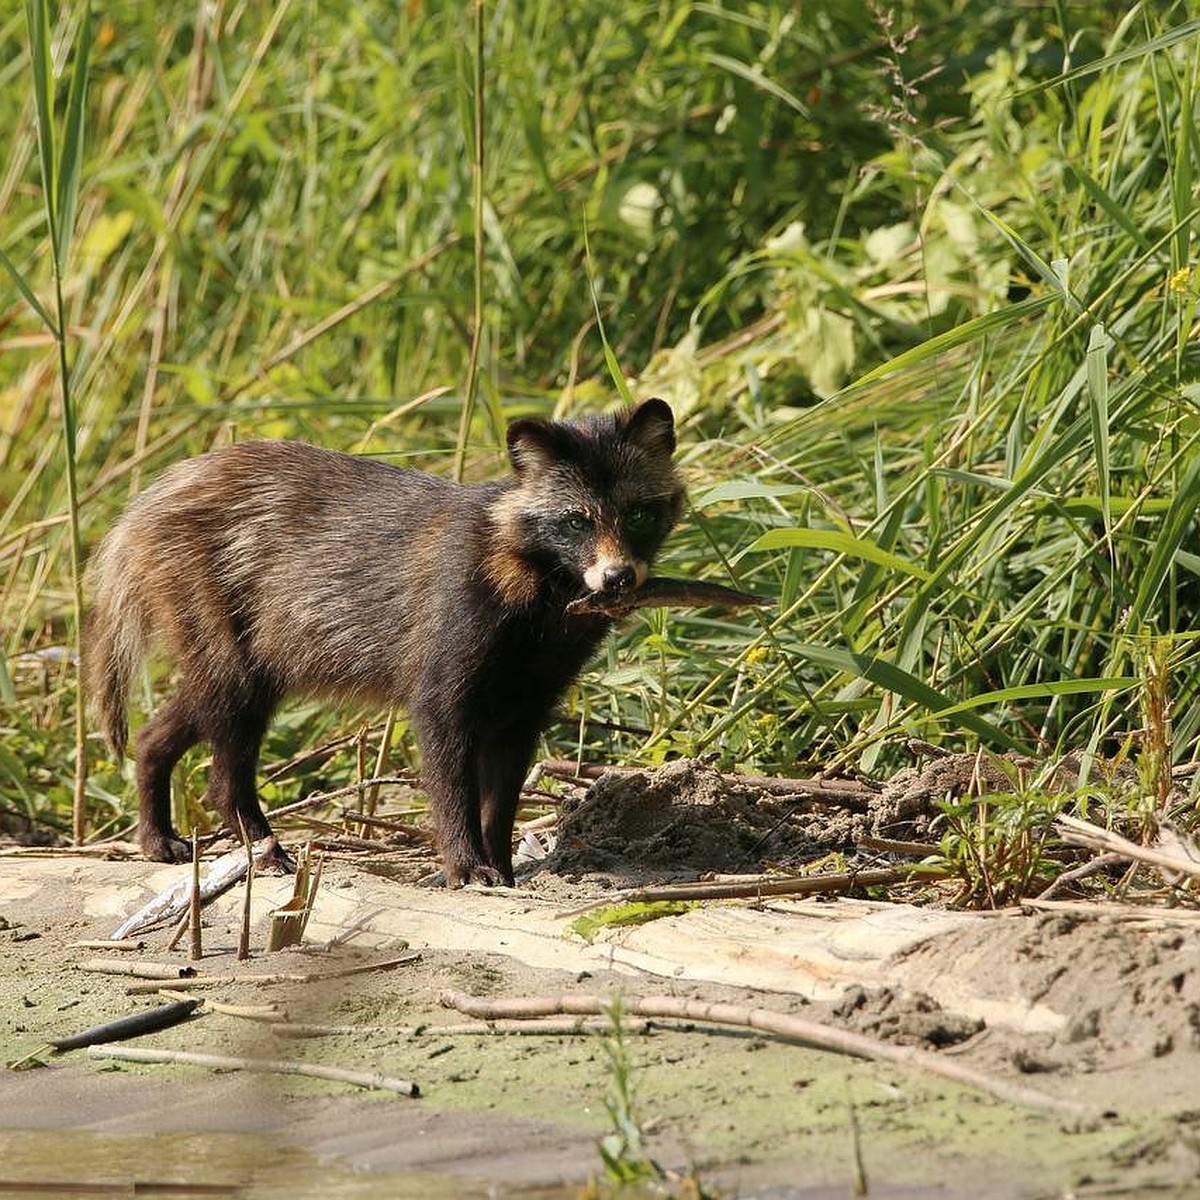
{"type": "Point", "coordinates": [271, 569]}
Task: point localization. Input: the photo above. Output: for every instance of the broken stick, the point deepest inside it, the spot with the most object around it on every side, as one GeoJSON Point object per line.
{"type": "Point", "coordinates": [267, 1066]}
{"type": "Point", "coordinates": [797, 1029]}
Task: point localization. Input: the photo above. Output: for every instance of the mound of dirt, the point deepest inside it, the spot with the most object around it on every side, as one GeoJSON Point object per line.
{"type": "Point", "coordinates": [1126, 990]}
{"type": "Point", "coordinates": [684, 819]}
{"type": "Point", "coordinates": [909, 1018]}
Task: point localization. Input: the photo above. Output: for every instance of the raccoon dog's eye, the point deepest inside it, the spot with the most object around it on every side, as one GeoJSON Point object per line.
{"type": "Point", "coordinates": [640, 517]}
{"type": "Point", "coordinates": [575, 522]}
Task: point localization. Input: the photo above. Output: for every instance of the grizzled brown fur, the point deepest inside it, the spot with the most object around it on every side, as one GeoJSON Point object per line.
{"type": "Point", "coordinates": [271, 569]}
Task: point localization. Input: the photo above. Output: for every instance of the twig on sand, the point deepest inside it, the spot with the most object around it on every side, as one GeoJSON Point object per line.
{"type": "Point", "coordinates": [1100, 863]}
{"type": "Point", "coordinates": [549, 1026]}
{"type": "Point", "coordinates": [106, 944]}
{"type": "Point", "coordinates": [147, 1021]}
{"type": "Point", "coordinates": [150, 1020]}
{"type": "Point", "coordinates": [1094, 837]}
{"type": "Point", "coordinates": [267, 1066]}
{"type": "Point", "coordinates": [798, 1029]}
{"type": "Point", "coordinates": [116, 849]}
{"type": "Point", "coordinates": [776, 885]}
{"type": "Point", "coordinates": [203, 981]}
{"type": "Point", "coordinates": [196, 945]}
{"type": "Point", "coordinates": [263, 1013]}
{"type": "Point", "coordinates": [175, 902]}
{"type": "Point", "coordinates": [139, 969]}
{"type": "Point", "coordinates": [1157, 913]}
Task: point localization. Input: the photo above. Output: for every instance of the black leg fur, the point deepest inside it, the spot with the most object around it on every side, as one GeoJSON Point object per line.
{"type": "Point", "coordinates": [503, 760]}
{"type": "Point", "coordinates": [234, 728]}
{"type": "Point", "coordinates": [162, 742]}
{"type": "Point", "coordinates": [449, 777]}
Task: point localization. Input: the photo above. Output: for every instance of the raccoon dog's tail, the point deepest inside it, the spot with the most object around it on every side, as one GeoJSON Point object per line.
{"type": "Point", "coordinates": [115, 636]}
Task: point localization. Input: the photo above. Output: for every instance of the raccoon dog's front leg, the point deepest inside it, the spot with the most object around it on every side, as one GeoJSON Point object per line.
{"type": "Point", "coordinates": [449, 778]}
{"type": "Point", "coordinates": [503, 760]}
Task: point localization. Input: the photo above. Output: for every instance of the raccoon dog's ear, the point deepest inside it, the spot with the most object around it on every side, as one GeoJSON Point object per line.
{"type": "Point", "coordinates": [533, 445]}
{"type": "Point", "coordinates": [652, 426]}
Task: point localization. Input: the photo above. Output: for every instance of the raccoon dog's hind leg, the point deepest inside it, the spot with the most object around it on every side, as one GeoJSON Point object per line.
{"type": "Point", "coordinates": [161, 743]}
{"type": "Point", "coordinates": [233, 723]}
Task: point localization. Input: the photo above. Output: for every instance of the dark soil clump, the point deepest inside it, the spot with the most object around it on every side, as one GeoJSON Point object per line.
{"type": "Point", "coordinates": [686, 818]}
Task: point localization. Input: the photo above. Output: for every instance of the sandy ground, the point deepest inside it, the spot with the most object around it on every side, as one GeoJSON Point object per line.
{"type": "Point", "coordinates": [1100, 1006]}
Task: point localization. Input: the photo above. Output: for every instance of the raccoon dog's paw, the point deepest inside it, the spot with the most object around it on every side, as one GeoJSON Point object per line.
{"type": "Point", "coordinates": [478, 873]}
{"type": "Point", "coordinates": [276, 861]}
{"type": "Point", "coordinates": [165, 847]}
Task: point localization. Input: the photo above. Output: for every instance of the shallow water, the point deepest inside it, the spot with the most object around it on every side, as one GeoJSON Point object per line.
{"type": "Point", "coordinates": [40, 1163]}
{"type": "Point", "coordinates": [35, 1164]}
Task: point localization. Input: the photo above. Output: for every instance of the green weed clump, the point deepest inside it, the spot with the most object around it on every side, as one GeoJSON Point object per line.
{"type": "Point", "coordinates": [925, 306]}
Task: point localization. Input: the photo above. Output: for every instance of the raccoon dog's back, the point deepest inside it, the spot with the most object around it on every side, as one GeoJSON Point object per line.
{"type": "Point", "coordinates": [277, 559]}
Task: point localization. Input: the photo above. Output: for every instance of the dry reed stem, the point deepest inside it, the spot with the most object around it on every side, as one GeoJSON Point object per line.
{"type": "Point", "coordinates": [243, 950]}
{"type": "Point", "coordinates": [202, 981]}
{"type": "Point", "coordinates": [263, 1066]}
{"type": "Point", "coordinates": [139, 970]}
{"type": "Point", "coordinates": [548, 1026]}
{"type": "Point", "coordinates": [774, 885]}
{"type": "Point", "coordinates": [249, 1012]}
{"type": "Point", "coordinates": [799, 1029]}
{"type": "Point", "coordinates": [196, 951]}
{"type": "Point", "coordinates": [350, 790]}
{"type": "Point", "coordinates": [1093, 837]}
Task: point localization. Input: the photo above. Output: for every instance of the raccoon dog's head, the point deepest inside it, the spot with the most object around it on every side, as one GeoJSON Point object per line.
{"type": "Point", "coordinates": [595, 498]}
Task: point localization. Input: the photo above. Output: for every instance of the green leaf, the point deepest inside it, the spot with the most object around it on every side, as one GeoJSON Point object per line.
{"type": "Point", "coordinates": [1091, 507]}
{"type": "Point", "coordinates": [8, 694]}
{"type": "Point", "coordinates": [960, 335]}
{"type": "Point", "coordinates": [28, 293]}
{"type": "Point", "coordinates": [1180, 33]}
{"type": "Point", "coordinates": [1188, 561]}
{"type": "Point", "coordinates": [1053, 274]}
{"type": "Point", "coordinates": [71, 162]}
{"type": "Point", "coordinates": [1041, 691]}
{"type": "Point", "coordinates": [754, 75]}
{"type": "Point", "coordinates": [905, 685]}
{"type": "Point", "coordinates": [1097, 378]}
{"type": "Point", "coordinates": [618, 915]}
{"type": "Point", "coordinates": [41, 63]}
{"type": "Point", "coordinates": [839, 543]}
{"type": "Point", "coordinates": [17, 772]}
{"type": "Point", "coordinates": [743, 489]}
{"type": "Point", "coordinates": [1179, 523]}
{"type": "Point", "coordinates": [1103, 200]}
{"type": "Point", "coordinates": [610, 358]}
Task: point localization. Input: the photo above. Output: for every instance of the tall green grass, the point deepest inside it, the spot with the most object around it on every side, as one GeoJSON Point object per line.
{"type": "Point", "coordinates": [60, 163]}
{"type": "Point", "coordinates": [993, 526]}
{"type": "Point", "coordinates": [930, 336]}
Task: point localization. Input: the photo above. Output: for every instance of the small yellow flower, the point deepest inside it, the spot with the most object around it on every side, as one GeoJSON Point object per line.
{"type": "Point", "coordinates": [1180, 281]}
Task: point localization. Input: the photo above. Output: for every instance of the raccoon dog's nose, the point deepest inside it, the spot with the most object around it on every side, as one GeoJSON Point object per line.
{"type": "Point", "coordinates": [619, 578]}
